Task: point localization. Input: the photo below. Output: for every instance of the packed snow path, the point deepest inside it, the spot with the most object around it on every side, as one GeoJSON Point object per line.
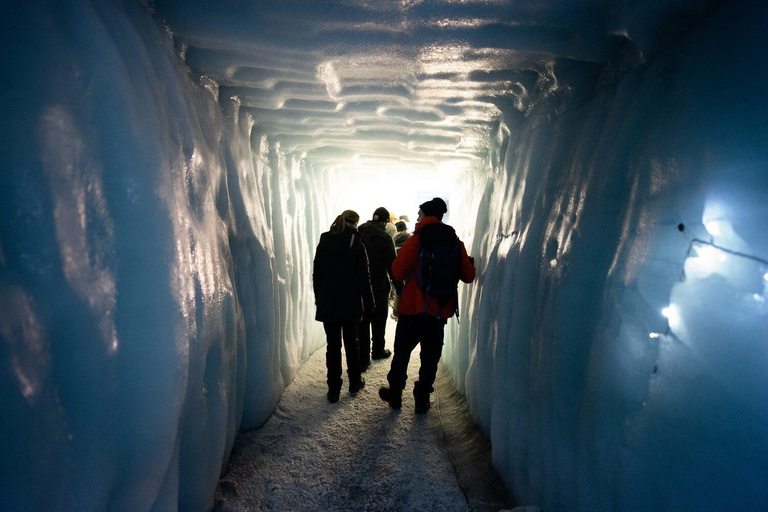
{"type": "Point", "coordinates": [359, 454]}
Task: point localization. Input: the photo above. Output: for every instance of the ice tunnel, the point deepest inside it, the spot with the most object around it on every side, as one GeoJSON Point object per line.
{"type": "Point", "coordinates": [168, 166]}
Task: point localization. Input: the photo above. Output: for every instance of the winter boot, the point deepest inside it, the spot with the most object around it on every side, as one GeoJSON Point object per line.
{"type": "Point", "coordinates": [333, 395]}
{"type": "Point", "coordinates": [422, 401]}
{"type": "Point", "coordinates": [392, 396]}
{"type": "Point", "coordinates": [385, 353]}
{"type": "Point", "coordinates": [356, 385]}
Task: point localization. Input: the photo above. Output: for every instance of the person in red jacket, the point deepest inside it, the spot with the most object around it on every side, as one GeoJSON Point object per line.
{"type": "Point", "coordinates": [422, 319]}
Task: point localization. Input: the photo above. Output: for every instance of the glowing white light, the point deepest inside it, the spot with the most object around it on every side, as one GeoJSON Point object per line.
{"type": "Point", "coordinates": [708, 259]}
{"type": "Point", "coordinates": [363, 187]}
{"type": "Point", "coordinates": [672, 315]}
{"type": "Point", "coordinates": [759, 298]}
{"type": "Point", "coordinates": [765, 276]}
{"type": "Point", "coordinates": [713, 227]}
{"type": "Point", "coordinates": [553, 262]}
{"type": "Point", "coordinates": [654, 335]}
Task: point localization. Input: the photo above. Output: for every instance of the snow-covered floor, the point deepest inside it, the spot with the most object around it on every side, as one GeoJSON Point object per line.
{"type": "Point", "coordinates": [359, 454]}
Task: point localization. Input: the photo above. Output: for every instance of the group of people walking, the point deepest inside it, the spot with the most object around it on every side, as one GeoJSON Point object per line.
{"type": "Point", "coordinates": [354, 270]}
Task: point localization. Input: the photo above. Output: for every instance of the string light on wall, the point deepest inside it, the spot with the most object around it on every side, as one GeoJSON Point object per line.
{"type": "Point", "coordinates": [706, 257]}
{"type": "Point", "coordinates": [672, 315]}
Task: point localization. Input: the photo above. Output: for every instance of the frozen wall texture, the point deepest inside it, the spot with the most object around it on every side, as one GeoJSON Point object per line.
{"type": "Point", "coordinates": [600, 211]}
{"type": "Point", "coordinates": [162, 191]}
{"type": "Point", "coordinates": [153, 268]}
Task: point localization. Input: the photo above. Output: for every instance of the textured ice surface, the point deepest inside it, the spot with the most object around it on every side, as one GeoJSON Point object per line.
{"type": "Point", "coordinates": [616, 361]}
{"type": "Point", "coordinates": [153, 270]}
{"type": "Point", "coordinates": [605, 163]}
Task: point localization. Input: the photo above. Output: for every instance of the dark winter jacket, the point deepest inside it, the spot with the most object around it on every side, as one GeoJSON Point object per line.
{"type": "Point", "coordinates": [400, 239]}
{"type": "Point", "coordinates": [340, 278]}
{"type": "Point", "coordinates": [381, 254]}
{"type": "Point", "coordinates": [412, 300]}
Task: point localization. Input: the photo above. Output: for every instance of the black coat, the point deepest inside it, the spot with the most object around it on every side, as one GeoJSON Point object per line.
{"type": "Point", "coordinates": [340, 278]}
{"type": "Point", "coordinates": [381, 254]}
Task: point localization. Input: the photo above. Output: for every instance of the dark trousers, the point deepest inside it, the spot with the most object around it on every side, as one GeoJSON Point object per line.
{"type": "Point", "coordinates": [372, 333]}
{"type": "Point", "coordinates": [412, 330]}
{"type": "Point", "coordinates": [333, 333]}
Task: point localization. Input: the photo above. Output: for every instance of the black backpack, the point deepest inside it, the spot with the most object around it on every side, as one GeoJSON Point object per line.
{"type": "Point", "coordinates": [439, 264]}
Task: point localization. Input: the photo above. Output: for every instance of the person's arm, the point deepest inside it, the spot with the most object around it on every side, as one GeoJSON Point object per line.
{"type": "Point", "coordinates": [389, 257]}
{"type": "Point", "coordinates": [467, 268]}
{"type": "Point", "coordinates": [406, 259]}
{"type": "Point", "coordinates": [317, 273]}
{"type": "Point", "coordinates": [364, 280]}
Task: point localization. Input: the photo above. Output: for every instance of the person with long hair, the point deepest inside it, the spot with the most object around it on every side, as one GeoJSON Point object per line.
{"type": "Point", "coordinates": [343, 296]}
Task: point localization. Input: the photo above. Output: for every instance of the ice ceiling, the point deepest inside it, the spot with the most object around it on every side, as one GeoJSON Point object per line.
{"type": "Point", "coordinates": [407, 85]}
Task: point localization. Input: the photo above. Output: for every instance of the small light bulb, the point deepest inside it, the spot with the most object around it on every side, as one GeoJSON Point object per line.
{"type": "Point", "coordinates": [653, 335]}
{"type": "Point", "coordinates": [672, 315]}
{"type": "Point", "coordinates": [766, 276]}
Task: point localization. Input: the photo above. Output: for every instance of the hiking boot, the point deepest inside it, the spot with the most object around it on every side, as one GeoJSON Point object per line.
{"type": "Point", "coordinates": [422, 403]}
{"type": "Point", "coordinates": [382, 355]}
{"type": "Point", "coordinates": [391, 396]}
{"type": "Point", "coordinates": [356, 386]}
{"type": "Point", "coordinates": [333, 395]}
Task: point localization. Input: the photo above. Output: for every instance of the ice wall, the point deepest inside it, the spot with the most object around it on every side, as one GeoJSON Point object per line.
{"type": "Point", "coordinates": [615, 344]}
{"type": "Point", "coordinates": [153, 268]}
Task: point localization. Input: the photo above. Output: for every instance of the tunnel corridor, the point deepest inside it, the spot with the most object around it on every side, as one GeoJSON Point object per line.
{"type": "Point", "coordinates": [360, 454]}
{"type": "Point", "coordinates": [168, 167]}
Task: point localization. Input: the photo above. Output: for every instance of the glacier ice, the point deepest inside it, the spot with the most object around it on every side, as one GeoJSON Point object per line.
{"type": "Point", "coordinates": [614, 348]}
{"type": "Point", "coordinates": [167, 168]}
{"type": "Point", "coordinates": [151, 267]}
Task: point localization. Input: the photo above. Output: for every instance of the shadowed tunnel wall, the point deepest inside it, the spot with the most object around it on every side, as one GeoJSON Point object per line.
{"type": "Point", "coordinates": [155, 267]}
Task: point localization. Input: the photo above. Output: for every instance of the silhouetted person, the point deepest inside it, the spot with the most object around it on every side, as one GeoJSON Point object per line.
{"type": "Point", "coordinates": [402, 234]}
{"type": "Point", "coordinates": [381, 254]}
{"type": "Point", "coordinates": [426, 302]}
{"type": "Point", "coordinates": [343, 296]}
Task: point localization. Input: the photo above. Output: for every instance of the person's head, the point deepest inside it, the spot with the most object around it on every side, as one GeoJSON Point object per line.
{"type": "Point", "coordinates": [381, 215]}
{"type": "Point", "coordinates": [347, 217]}
{"type": "Point", "coordinates": [435, 207]}
{"type": "Point", "coordinates": [401, 226]}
